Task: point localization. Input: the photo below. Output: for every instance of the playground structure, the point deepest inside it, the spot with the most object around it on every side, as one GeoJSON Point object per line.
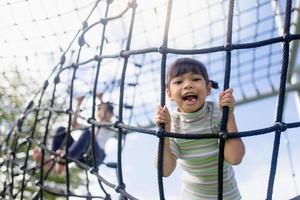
{"type": "Point", "coordinates": [128, 65]}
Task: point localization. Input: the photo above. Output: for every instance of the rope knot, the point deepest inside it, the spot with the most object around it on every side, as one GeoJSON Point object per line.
{"type": "Point", "coordinates": [132, 4]}
{"type": "Point", "coordinates": [159, 133]}
{"type": "Point", "coordinates": [103, 21]}
{"type": "Point", "coordinates": [74, 65]}
{"type": "Point", "coordinates": [20, 124]}
{"type": "Point", "coordinates": [228, 46]}
{"type": "Point", "coordinates": [93, 170]}
{"type": "Point", "coordinates": [124, 54]}
{"type": "Point", "coordinates": [81, 40]}
{"type": "Point", "coordinates": [90, 120]}
{"type": "Point", "coordinates": [223, 135]}
{"type": "Point", "coordinates": [97, 58]}
{"type": "Point", "coordinates": [281, 125]}
{"type": "Point", "coordinates": [162, 49]}
{"type": "Point", "coordinates": [62, 59]}
{"type": "Point", "coordinates": [287, 37]}
{"type": "Point", "coordinates": [29, 106]}
{"type": "Point", "coordinates": [56, 80]}
{"type": "Point", "coordinates": [84, 25]}
{"type": "Point", "coordinates": [120, 187]}
{"type": "Point", "coordinates": [117, 123]}
{"type": "Point", "coordinates": [69, 111]}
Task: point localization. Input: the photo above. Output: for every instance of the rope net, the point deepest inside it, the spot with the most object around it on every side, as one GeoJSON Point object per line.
{"type": "Point", "coordinates": [121, 49]}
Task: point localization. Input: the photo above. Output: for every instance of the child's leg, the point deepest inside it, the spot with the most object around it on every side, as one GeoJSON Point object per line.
{"type": "Point", "coordinates": [58, 142]}
{"type": "Point", "coordinates": [79, 147]}
{"type": "Point", "coordinates": [60, 138]}
{"type": "Point", "coordinates": [37, 157]}
{"type": "Point", "coordinates": [36, 154]}
{"type": "Point", "coordinates": [59, 166]}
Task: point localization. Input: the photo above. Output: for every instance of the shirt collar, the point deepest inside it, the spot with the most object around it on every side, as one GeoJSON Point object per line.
{"type": "Point", "coordinates": [189, 117]}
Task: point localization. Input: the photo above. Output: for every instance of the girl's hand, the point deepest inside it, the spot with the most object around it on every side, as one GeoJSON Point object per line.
{"type": "Point", "coordinates": [226, 99]}
{"type": "Point", "coordinates": [99, 96]}
{"type": "Point", "coordinates": [162, 115]}
{"type": "Point", "coordinates": [74, 122]}
{"type": "Point", "coordinates": [79, 100]}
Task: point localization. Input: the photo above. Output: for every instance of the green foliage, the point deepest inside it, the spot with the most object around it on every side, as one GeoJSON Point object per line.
{"type": "Point", "coordinates": [15, 94]}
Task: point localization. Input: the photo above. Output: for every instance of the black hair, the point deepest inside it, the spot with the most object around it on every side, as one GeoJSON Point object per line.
{"type": "Point", "coordinates": [186, 65]}
{"type": "Point", "coordinates": [108, 105]}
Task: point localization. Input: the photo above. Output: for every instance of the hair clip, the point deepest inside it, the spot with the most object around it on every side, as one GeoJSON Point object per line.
{"type": "Point", "coordinates": [214, 84]}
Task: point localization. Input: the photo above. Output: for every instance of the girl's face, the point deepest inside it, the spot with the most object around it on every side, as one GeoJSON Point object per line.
{"type": "Point", "coordinates": [103, 114]}
{"type": "Point", "coordinates": [189, 91]}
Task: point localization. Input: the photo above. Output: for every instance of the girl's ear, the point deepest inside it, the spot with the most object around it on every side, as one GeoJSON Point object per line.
{"type": "Point", "coordinates": [209, 87]}
{"type": "Point", "coordinates": [168, 91]}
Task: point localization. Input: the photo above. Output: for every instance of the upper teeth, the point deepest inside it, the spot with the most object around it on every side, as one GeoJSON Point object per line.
{"type": "Point", "coordinates": [189, 94]}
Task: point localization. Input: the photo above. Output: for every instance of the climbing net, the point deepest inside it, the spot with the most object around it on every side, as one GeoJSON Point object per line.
{"type": "Point", "coordinates": [103, 56]}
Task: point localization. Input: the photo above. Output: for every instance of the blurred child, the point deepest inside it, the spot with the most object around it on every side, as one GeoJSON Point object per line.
{"type": "Point", "coordinates": [81, 149]}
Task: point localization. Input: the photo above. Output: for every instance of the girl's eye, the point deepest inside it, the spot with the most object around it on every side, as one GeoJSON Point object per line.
{"type": "Point", "coordinates": [197, 79]}
{"type": "Point", "coordinates": [177, 82]}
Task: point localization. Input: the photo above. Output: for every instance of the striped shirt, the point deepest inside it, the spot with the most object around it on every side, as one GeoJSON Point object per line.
{"type": "Point", "coordinates": [199, 157]}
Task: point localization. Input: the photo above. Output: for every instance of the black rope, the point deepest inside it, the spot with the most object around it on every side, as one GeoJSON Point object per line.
{"type": "Point", "coordinates": [32, 135]}
{"type": "Point", "coordinates": [163, 100]}
{"type": "Point", "coordinates": [68, 136]}
{"type": "Point", "coordinates": [121, 185]}
{"type": "Point", "coordinates": [56, 81]}
{"type": "Point", "coordinates": [92, 141]}
{"type": "Point", "coordinates": [196, 51]}
{"type": "Point", "coordinates": [281, 97]}
{"type": "Point", "coordinates": [223, 128]}
{"type": "Point", "coordinates": [276, 127]}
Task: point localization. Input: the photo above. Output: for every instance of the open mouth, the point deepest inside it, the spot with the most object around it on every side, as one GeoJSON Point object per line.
{"type": "Point", "coordinates": [190, 97]}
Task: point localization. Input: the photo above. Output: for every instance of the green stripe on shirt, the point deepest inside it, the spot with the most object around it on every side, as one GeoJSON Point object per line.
{"type": "Point", "coordinates": [199, 157]}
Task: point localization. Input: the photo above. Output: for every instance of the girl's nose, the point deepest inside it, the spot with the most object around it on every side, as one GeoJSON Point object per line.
{"type": "Point", "coordinates": [187, 85]}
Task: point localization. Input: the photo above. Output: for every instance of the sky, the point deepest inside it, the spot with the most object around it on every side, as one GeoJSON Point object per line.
{"type": "Point", "coordinates": [30, 42]}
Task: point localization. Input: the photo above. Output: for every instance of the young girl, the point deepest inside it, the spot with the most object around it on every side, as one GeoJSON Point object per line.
{"type": "Point", "coordinates": [188, 86]}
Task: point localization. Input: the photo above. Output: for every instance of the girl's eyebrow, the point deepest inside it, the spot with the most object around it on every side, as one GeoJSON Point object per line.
{"type": "Point", "coordinates": [196, 74]}
{"type": "Point", "coordinates": [175, 77]}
